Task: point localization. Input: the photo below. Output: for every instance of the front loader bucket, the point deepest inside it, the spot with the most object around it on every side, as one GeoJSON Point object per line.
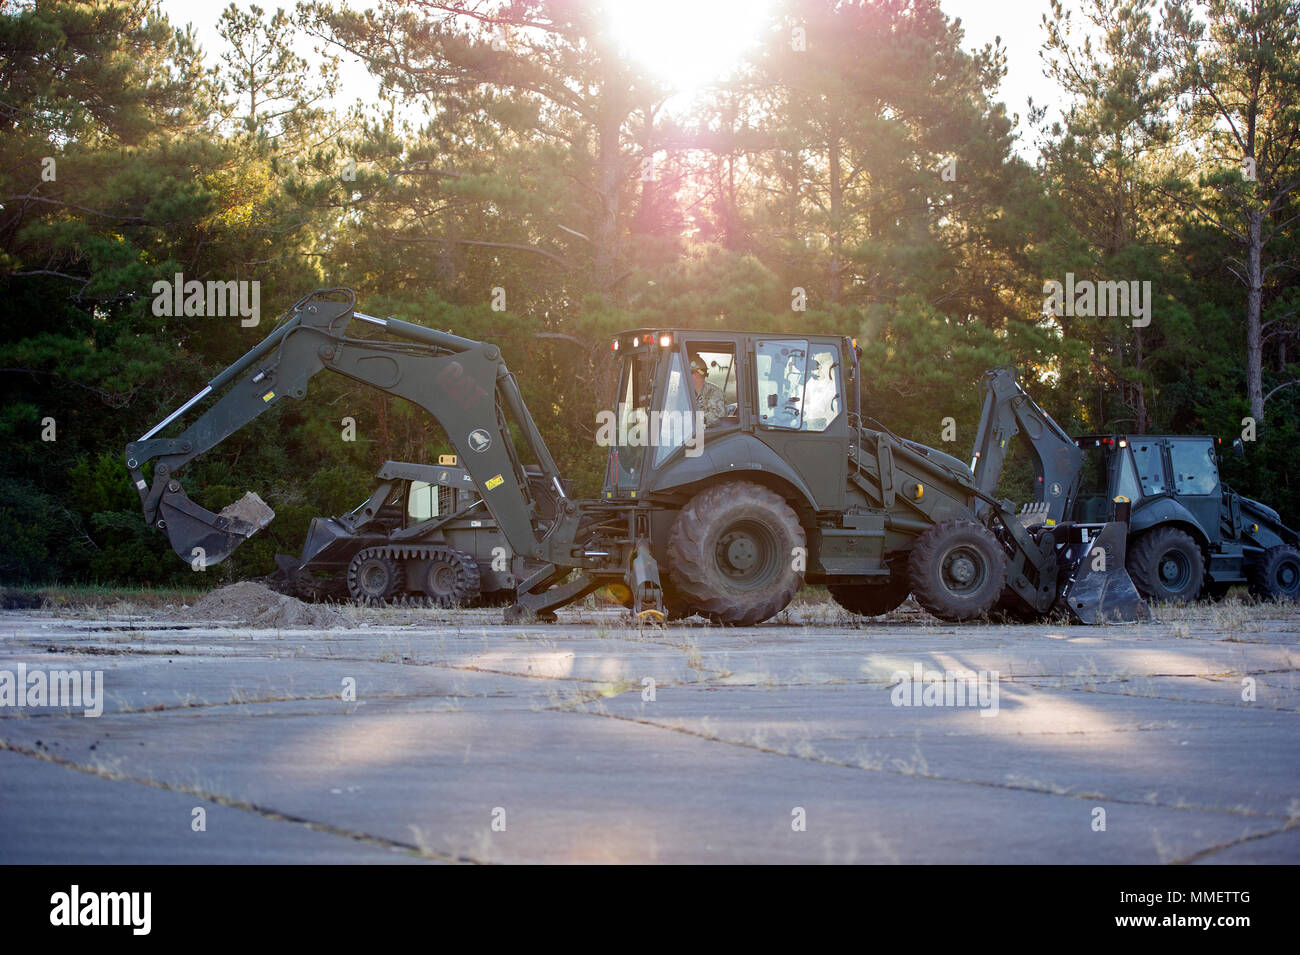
{"type": "Point", "coordinates": [1099, 589]}
{"type": "Point", "coordinates": [202, 538]}
{"type": "Point", "coordinates": [322, 534]}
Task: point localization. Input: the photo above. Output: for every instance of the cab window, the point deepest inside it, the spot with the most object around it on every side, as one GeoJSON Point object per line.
{"type": "Point", "coordinates": [1195, 471]}
{"type": "Point", "coordinates": [635, 392]}
{"type": "Point", "coordinates": [1127, 484]}
{"type": "Point", "coordinates": [822, 397]}
{"type": "Point", "coordinates": [721, 363]}
{"type": "Point", "coordinates": [422, 501]}
{"type": "Point", "coordinates": [677, 423]}
{"type": "Point", "coordinates": [778, 375]}
{"type": "Point", "coordinates": [797, 387]}
{"type": "Point", "coordinates": [1150, 467]}
{"type": "Point", "coordinates": [1094, 493]}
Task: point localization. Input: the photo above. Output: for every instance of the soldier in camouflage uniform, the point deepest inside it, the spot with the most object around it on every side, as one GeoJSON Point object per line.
{"type": "Point", "coordinates": [708, 396]}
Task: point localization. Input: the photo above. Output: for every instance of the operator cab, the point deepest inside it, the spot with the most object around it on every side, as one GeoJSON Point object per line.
{"type": "Point", "coordinates": [411, 502]}
{"type": "Point", "coordinates": [681, 389]}
{"type": "Point", "coordinates": [425, 501]}
{"type": "Point", "coordinates": [1145, 466]}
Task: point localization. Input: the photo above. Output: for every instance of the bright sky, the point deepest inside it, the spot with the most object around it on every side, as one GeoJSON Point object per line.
{"type": "Point", "coordinates": [689, 43]}
{"type": "Point", "coordinates": [1020, 25]}
{"type": "Point", "coordinates": [722, 30]}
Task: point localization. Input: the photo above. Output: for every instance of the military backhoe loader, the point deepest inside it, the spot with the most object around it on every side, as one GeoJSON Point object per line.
{"type": "Point", "coordinates": [1189, 535]}
{"type": "Point", "coordinates": [725, 518]}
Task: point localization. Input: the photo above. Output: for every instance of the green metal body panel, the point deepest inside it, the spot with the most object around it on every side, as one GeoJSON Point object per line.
{"type": "Point", "coordinates": [862, 494]}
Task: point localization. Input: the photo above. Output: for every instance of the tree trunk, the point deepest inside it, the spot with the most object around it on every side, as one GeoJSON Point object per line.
{"type": "Point", "coordinates": [1140, 393]}
{"type": "Point", "coordinates": [1254, 334]}
{"type": "Point", "coordinates": [732, 241]}
{"type": "Point", "coordinates": [836, 201]}
{"type": "Point", "coordinates": [608, 181]}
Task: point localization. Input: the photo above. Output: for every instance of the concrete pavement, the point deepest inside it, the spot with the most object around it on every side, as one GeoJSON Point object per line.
{"type": "Point", "coordinates": [587, 741]}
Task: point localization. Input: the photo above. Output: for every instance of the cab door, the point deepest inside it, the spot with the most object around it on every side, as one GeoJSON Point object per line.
{"type": "Point", "coordinates": [1195, 473]}
{"type": "Point", "coordinates": [799, 411]}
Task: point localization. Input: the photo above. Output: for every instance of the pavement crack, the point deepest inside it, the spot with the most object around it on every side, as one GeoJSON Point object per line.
{"type": "Point", "coordinates": [1220, 847]}
{"type": "Point", "coordinates": [911, 773]}
{"type": "Point", "coordinates": [1167, 699]}
{"type": "Point", "coordinates": [243, 805]}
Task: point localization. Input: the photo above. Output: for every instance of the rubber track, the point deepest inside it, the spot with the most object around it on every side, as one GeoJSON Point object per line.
{"type": "Point", "coordinates": [399, 554]}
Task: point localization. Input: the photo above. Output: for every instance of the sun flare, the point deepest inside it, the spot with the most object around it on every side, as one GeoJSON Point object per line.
{"type": "Point", "coordinates": [688, 44]}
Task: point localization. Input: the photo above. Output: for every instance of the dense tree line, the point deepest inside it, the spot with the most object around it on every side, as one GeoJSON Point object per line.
{"type": "Point", "coordinates": [858, 175]}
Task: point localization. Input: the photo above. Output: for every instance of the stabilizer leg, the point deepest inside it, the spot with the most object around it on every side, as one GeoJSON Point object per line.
{"type": "Point", "coordinates": [643, 581]}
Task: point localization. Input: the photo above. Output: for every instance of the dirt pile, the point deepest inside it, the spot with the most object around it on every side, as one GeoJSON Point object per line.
{"type": "Point", "coordinates": [253, 605]}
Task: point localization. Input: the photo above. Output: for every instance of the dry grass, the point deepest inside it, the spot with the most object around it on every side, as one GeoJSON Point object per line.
{"type": "Point", "coordinates": [96, 597]}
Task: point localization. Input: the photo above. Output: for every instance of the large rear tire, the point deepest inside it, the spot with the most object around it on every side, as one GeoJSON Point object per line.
{"type": "Point", "coordinates": [1166, 565]}
{"type": "Point", "coordinates": [958, 570]}
{"type": "Point", "coordinates": [1277, 574]}
{"type": "Point", "coordinates": [731, 553]}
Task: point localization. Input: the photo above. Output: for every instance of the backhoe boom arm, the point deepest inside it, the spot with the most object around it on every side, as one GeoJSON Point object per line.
{"type": "Point", "coordinates": [463, 384]}
{"type": "Point", "coordinates": [1008, 411]}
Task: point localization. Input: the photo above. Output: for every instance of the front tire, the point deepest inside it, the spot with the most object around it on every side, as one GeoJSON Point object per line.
{"type": "Point", "coordinates": [1277, 575]}
{"type": "Point", "coordinates": [731, 553]}
{"type": "Point", "coordinates": [1166, 564]}
{"type": "Point", "coordinates": [451, 578]}
{"type": "Point", "coordinates": [958, 570]}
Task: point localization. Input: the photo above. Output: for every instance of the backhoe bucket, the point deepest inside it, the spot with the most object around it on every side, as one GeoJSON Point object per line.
{"type": "Point", "coordinates": [202, 538]}
{"type": "Point", "coordinates": [1099, 589]}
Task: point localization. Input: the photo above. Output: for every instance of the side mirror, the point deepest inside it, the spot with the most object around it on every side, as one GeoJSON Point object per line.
{"type": "Point", "coordinates": [1238, 449]}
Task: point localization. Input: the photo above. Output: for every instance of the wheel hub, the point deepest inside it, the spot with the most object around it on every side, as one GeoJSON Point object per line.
{"type": "Point", "coordinates": [374, 578]}
{"type": "Point", "coordinates": [443, 579]}
{"type": "Point", "coordinates": [741, 553]}
{"type": "Point", "coordinates": [747, 554]}
{"type": "Point", "coordinates": [963, 571]}
{"type": "Point", "coordinates": [1173, 571]}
